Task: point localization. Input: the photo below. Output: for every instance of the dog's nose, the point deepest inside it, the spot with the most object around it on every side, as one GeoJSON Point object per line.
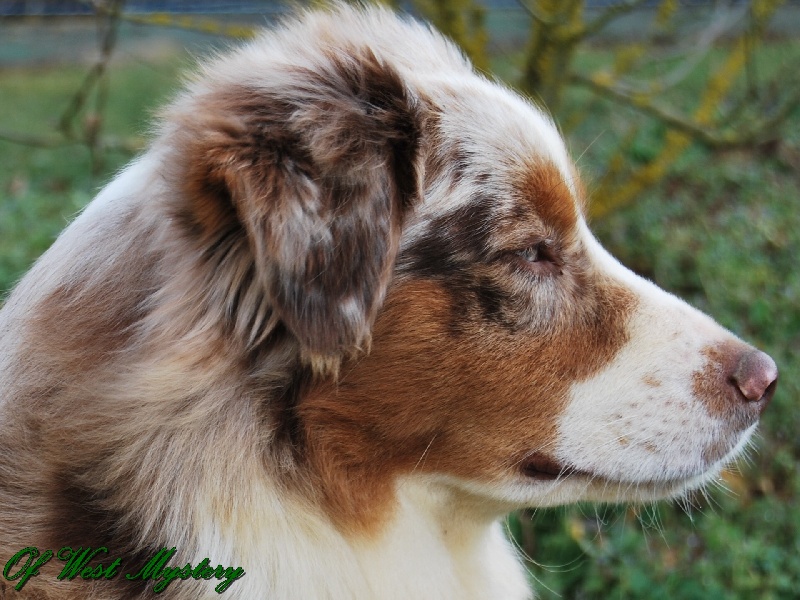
{"type": "Point", "coordinates": [756, 377]}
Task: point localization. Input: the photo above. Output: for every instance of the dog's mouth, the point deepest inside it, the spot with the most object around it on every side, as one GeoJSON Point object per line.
{"type": "Point", "coordinates": [544, 468]}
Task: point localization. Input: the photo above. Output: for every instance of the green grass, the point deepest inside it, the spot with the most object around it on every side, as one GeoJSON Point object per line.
{"type": "Point", "coordinates": [41, 189]}
{"type": "Point", "coordinates": [721, 230]}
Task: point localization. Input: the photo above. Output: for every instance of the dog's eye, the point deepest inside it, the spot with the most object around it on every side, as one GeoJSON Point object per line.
{"type": "Point", "coordinates": [538, 253]}
{"type": "Point", "coordinates": [539, 257]}
{"type": "Point", "coordinates": [531, 253]}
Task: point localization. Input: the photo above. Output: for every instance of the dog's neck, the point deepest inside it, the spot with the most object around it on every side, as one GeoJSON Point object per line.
{"type": "Point", "coordinates": [438, 545]}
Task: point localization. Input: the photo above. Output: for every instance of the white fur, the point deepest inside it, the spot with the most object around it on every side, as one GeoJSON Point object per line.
{"type": "Point", "coordinates": [171, 404]}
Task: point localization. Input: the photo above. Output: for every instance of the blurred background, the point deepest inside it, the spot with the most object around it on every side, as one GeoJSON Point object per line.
{"type": "Point", "coordinates": [684, 117]}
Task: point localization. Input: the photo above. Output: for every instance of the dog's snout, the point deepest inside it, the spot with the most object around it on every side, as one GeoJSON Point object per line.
{"type": "Point", "coordinates": [756, 376]}
{"type": "Point", "coordinates": [737, 383]}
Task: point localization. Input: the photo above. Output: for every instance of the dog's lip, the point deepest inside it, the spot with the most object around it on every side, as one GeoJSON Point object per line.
{"type": "Point", "coordinates": [545, 468]}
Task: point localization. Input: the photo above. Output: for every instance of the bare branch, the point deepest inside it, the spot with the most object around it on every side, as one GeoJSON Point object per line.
{"type": "Point", "coordinates": [758, 132]}
{"type": "Point", "coordinates": [651, 110]}
{"type": "Point", "coordinates": [723, 20]}
{"type": "Point", "coordinates": [129, 145]}
{"type": "Point", "coordinates": [535, 15]}
{"type": "Point", "coordinates": [95, 82]}
{"type": "Point", "coordinates": [78, 101]}
{"type": "Point", "coordinates": [612, 12]}
{"type": "Point", "coordinates": [36, 141]}
{"type": "Point", "coordinates": [192, 23]}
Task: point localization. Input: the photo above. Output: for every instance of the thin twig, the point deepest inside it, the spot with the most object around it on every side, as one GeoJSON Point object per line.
{"type": "Point", "coordinates": [536, 16]}
{"type": "Point", "coordinates": [757, 133]}
{"type": "Point", "coordinates": [37, 141]}
{"type": "Point", "coordinates": [609, 14]}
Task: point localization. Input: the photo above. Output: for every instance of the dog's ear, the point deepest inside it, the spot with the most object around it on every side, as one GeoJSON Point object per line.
{"type": "Point", "coordinates": [317, 167]}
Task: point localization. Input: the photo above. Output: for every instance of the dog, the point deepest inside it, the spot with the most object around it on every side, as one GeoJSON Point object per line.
{"type": "Point", "coordinates": [341, 317]}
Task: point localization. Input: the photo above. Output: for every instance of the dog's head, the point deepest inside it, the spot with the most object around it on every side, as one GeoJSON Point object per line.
{"type": "Point", "coordinates": [387, 192]}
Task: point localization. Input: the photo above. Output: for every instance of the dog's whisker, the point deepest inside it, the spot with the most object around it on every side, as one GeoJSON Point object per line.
{"type": "Point", "coordinates": [424, 453]}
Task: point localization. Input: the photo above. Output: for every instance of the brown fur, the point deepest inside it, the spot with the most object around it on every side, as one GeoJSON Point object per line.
{"type": "Point", "coordinates": [408, 406]}
{"type": "Point", "coordinates": [323, 277]}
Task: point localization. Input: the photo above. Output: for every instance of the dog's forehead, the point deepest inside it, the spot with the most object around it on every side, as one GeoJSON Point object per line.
{"type": "Point", "coordinates": [498, 127]}
{"type": "Point", "coordinates": [490, 147]}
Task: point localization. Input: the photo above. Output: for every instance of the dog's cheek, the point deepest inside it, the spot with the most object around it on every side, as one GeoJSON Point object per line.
{"type": "Point", "coordinates": [469, 402]}
{"type": "Point", "coordinates": [426, 401]}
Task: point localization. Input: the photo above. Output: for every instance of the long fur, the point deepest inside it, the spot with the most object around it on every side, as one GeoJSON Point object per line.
{"type": "Point", "coordinates": [341, 317]}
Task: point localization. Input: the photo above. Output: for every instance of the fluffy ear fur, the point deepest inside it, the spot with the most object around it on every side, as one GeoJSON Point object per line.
{"type": "Point", "coordinates": [317, 171]}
